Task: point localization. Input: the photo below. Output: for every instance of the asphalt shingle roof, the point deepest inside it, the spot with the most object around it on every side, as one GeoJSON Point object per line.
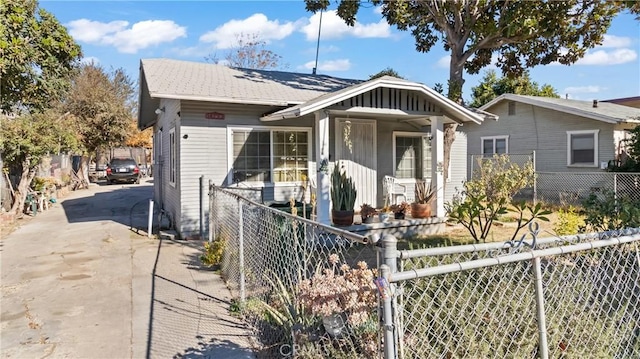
{"type": "Point", "coordinates": [604, 111]}
{"type": "Point", "coordinates": [203, 81]}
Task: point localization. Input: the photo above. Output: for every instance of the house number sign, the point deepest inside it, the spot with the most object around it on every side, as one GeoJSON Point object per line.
{"type": "Point", "coordinates": [214, 116]}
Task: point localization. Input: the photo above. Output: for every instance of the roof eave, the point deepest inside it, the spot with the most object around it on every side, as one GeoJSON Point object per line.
{"type": "Point", "coordinates": [225, 100]}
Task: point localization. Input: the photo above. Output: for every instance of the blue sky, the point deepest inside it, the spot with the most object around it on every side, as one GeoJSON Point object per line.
{"type": "Point", "coordinates": [118, 34]}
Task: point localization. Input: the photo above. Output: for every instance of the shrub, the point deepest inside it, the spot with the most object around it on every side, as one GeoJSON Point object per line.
{"type": "Point", "coordinates": [605, 212]}
{"type": "Point", "coordinates": [213, 252]}
{"type": "Point", "coordinates": [490, 195]}
{"type": "Point", "coordinates": [569, 222]}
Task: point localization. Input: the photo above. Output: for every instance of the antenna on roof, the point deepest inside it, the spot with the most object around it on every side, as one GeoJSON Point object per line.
{"type": "Point", "coordinates": [318, 44]}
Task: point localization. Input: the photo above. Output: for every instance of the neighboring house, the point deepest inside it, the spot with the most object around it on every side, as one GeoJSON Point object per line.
{"type": "Point", "coordinates": [566, 135]}
{"type": "Point", "coordinates": [626, 101]}
{"type": "Point", "coordinates": [268, 129]}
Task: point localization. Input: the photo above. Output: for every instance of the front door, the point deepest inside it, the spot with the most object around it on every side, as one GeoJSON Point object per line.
{"type": "Point", "coordinates": [356, 151]}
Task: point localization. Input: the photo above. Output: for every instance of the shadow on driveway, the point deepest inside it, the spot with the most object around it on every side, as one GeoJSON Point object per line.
{"type": "Point", "coordinates": [189, 309]}
{"type": "Point", "coordinates": [125, 204]}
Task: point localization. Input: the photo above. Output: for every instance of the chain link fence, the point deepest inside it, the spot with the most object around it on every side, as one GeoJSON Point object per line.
{"type": "Point", "coordinates": [306, 289]}
{"type": "Point", "coordinates": [572, 188]}
{"type": "Point", "coordinates": [569, 297]}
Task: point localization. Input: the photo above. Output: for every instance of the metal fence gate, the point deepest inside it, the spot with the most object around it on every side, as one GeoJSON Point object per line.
{"type": "Point", "coordinates": [569, 297]}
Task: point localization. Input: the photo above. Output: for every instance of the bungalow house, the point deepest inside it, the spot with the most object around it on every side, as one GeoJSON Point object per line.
{"type": "Point", "coordinates": [566, 135]}
{"type": "Point", "coordinates": [270, 129]}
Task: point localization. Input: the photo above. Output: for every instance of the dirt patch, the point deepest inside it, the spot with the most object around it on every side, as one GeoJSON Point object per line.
{"type": "Point", "coordinates": [10, 224]}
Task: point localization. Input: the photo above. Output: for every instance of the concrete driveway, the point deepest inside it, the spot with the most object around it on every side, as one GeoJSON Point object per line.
{"type": "Point", "coordinates": [79, 281]}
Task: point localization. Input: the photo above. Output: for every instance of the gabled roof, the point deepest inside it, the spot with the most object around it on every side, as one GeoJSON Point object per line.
{"type": "Point", "coordinates": [456, 112]}
{"type": "Point", "coordinates": [216, 83]}
{"type": "Point", "coordinates": [197, 81]}
{"type": "Point", "coordinates": [605, 111]}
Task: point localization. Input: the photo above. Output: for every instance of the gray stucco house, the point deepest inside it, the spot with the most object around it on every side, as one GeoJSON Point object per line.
{"type": "Point", "coordinates": [566, 135]}
{"type": "Point", "coordinates": [269, 129]}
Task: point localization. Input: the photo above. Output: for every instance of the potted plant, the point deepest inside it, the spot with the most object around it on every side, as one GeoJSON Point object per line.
{"type": "Point", "coordinates": [400, 210]}
{"type": "Point", "coordinates": [384, 214]}
{"type": "Point", "coordinates": [367, 212]}
{"type": "Point", "coordinates": [343, 198]}
{"type": "Point", "coordinates": [424, 195]}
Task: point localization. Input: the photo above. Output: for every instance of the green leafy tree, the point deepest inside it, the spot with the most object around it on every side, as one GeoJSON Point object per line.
{"type": "Point", "coordinates": [490, 195]}
{"type": "Point", "coordinates": [491, 87]}
{"type": "Point", "coordinates": [38, 57]}
{"type": "Point", "coordinates": [522, 33]}
{"type": "Point", "coordinates": [249, 52]}
{"type": "Point", "coordinates": [386, 72]}
{"type": "Point", "coordinates": [26, 139]}
{"type": "Point", "coordinates": [103, 106]}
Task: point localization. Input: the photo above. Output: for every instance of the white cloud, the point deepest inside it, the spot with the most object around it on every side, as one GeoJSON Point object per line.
{"type": "Point", "coordinates": [616, 41]}
{"type": "Point", "coordinates": [225, 36]}
{"type": "Point", "coordinates": [93, 31]}
{"type": "Point", "coordinates": [140, 35]}
{"type": "Point", "coordinates": [329, 65]}
{"type": "Point", "coordinates": [583, 89]}
{"type": "Point", "coordinates": [90, 60]}
{"type": "Point", "coordinates": [444, 62]}
{"type": "Point", "coordinates": [602, 57]}
{"type": "Point", "coordinates": [333, 27]}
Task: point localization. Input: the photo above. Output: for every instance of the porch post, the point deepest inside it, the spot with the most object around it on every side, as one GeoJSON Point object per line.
{"type": "Point", "coordinates": [437, 163]}
{"type": "Point", "coordinates": [322, 167]}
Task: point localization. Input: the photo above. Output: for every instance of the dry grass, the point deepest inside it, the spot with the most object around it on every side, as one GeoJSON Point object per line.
{"type": "Point", "coordinates": [500, 231]}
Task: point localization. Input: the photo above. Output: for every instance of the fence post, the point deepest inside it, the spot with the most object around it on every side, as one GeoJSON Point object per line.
{"type": "Point", "coordinates": [535, 179]}
{"type": "Point", "coordinates": [543, 346]}
{"type": "Point", "coordinates": [201, 186]}
{"type": "Point", "coordinates": [241, 250]}
{"type": "Point", "coordinates": [390, 260]}
{"type": "Point", "coordinates": [615, 189]}
{"type": "Point", "coordinates": [212, 206]}
{"type": "Point", "coordinates": [387, 317]}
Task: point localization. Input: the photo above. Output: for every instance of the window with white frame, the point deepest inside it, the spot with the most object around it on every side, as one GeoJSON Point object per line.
{"type": "Point", "coordinates": [270, 155]}
{"type": "Point", "coordinates": [582, 148]}
{"type": "Point", "coordinates": [412, 158]}
{"type": "Point", "coordinates": [494, 145]}
{"type": "Point", "coordinates": [172, 156]}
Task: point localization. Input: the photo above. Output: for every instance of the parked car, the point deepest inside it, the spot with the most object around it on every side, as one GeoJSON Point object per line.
{"type": "Point", "coordinates": [123, 170]}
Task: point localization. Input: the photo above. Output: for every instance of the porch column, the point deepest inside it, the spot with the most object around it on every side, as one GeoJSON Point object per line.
{"type": "Point", "coordinates": [322, 166]}
{"type": "Point", "coordinates": [437, 163]}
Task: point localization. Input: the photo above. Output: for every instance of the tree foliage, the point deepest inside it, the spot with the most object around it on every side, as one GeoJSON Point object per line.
{"type": "Point", "coordinates": [38, 57]}
{"type": "Point", "coordinates": [137, 138]}
{"type": "Point", "coordinates": [249, 52]}
{"type": "Point", "coordinates": [490, 195]}
{"type": "Point", "coordinates": [386, 72]}
{"type": "Point", "coordinates": [26, 139]}
{"type": "Point", "coordinates": [522, 33]}
{"type": "Point", "coordinates": [491, 87]}
{"type": "Point", "coordinates": [102, 105]}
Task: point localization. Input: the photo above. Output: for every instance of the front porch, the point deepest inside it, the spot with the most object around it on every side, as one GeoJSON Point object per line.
{"type": "Point", "coordinates": [382, 127]}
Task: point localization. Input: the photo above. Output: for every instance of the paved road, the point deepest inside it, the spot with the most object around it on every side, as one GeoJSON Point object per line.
{"type": "Point", "coordinates": [79, 281]}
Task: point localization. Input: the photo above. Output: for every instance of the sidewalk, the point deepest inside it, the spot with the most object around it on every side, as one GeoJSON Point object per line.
{"type": "Point", "coordinates": [77, 282]}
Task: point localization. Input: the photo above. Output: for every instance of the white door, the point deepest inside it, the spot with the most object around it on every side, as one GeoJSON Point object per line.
{"type": "Point", "coordinates": [356, 151]}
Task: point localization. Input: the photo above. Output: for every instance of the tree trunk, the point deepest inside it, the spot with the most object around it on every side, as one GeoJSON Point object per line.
{"type": "Point", "coordinates": [28, 173]}
{"type": "Point", "coordinates": [456, 67]}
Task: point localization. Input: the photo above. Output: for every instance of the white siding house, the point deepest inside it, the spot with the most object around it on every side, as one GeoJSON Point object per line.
{"type": "Point", "coordinates": [566, 135]}
{"type": "Point", "coordinates": [269, 129]}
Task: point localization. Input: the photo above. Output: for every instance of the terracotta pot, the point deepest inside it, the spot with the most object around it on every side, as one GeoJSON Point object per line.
{"type": "Point", "coordinates": [420, 210]}
{"type": "Point", "coordinates": [342, 218]}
